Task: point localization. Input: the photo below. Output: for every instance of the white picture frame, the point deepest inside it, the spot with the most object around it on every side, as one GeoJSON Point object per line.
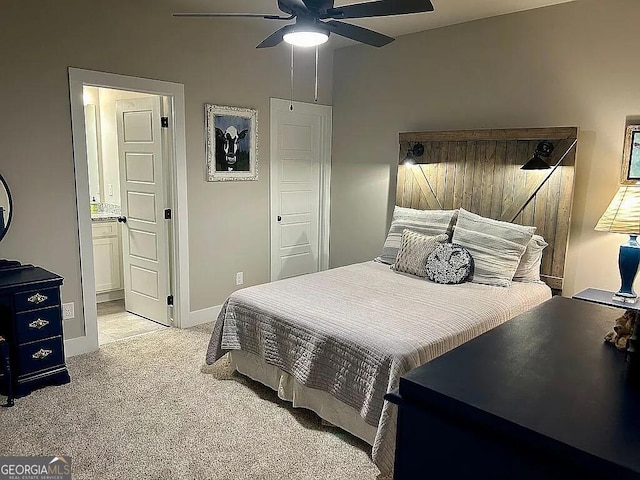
{"type": "Point", "coordinates": [231, 143]}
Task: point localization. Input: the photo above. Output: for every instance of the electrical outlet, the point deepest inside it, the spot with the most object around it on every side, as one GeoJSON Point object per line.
{"type": "Point", "coordinates": [239, 278]}
{"type": "Point", "coordinates": [111, 190]}
{"type": "Point", "coordinates": [68, 311]}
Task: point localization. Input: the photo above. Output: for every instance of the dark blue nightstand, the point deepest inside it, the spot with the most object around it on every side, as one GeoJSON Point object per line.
{"type": "Point", "coordinates": [31, 324]}
{"type": "Point", "coordinates": [605, 297]}
{"type": "Point", "coordinates": [5, 365]}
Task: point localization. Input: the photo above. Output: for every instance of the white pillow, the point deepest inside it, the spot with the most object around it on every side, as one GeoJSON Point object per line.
{"type": "Point", "coordinates": [496, 247]}
{"type": "Point", "coordinates": [529, 267]}
{"type": "Point", "coordinates": [427, 222]}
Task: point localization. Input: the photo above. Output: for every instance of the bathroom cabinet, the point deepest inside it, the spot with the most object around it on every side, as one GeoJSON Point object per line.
{"type": "Point", "coordinates": [107, 256]}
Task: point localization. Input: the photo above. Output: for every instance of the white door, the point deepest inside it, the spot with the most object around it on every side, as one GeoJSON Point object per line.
{"type": "Point", "coordinates": [300, 172]}
{"type": "Point", "coordinates": [144, 234]}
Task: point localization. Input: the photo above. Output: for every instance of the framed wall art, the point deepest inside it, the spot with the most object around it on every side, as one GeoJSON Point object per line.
{"type": "Point", "coordinates": [232, 143]}
{"type": "Point", "coordinates": [631, 160]}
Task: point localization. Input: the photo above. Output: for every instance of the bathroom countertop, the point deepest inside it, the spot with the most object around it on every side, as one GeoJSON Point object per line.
{"type": "Point", "coordinates": [105, 212]}
{"type": "Point", "coordinates": [104, 217]}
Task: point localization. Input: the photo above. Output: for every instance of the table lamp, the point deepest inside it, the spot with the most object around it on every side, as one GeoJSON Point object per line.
{"type": "Point", "coordinates": [623, 216]}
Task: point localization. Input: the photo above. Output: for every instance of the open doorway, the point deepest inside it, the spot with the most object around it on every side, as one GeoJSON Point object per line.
{"type": "Point", "coordinates": [127, 165]}
{"type": "Point", "coordinates": [130, 164]}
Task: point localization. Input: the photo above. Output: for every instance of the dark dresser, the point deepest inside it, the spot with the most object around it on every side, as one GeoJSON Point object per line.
{"type": "Point", "coordinates": [539, 397]}
{"type": "Point", "coordinates": [31, 323]}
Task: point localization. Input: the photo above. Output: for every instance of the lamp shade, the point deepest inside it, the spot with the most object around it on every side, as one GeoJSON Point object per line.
{"type": "Point", "coordinates": [536, 163]}
{"type": "Point", "coordinates": [543, 149]}
{"type": "Point", "coordinates": [623, 213]}
{"type": "Point", "coordinates": [412, 154]}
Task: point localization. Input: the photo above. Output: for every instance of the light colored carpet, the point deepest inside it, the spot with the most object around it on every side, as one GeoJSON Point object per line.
{"type": "Point", "coordinates": [142, 409]}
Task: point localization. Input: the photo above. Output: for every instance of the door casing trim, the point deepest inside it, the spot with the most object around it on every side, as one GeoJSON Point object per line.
{"type": "Point", "coordinates": [179, 252]}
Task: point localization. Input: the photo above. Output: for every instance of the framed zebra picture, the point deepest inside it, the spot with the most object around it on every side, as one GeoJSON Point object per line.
{"type": "Point", "coordinates": [232, 143]}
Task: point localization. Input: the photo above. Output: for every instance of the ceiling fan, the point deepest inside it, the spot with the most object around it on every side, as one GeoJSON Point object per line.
{"type": "Point", "coordinates": [310, 28]}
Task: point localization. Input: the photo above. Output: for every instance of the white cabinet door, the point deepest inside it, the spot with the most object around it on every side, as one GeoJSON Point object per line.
{"type": "Point", "coordinates": [106, 263]}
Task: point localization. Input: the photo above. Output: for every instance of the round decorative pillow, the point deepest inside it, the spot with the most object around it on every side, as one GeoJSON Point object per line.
{"type": "Point", "coordinates": [449, 263]}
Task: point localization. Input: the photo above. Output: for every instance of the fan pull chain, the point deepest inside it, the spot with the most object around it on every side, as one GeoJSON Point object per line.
{"type": "Point", "coordinates": [316, 90]}
{"type": "Point", "coordinates": [292, 69]}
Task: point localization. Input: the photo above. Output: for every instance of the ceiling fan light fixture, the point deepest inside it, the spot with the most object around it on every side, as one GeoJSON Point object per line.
{"type": "Point", "coordinates": [316, 20]}
{"type": "Point", "coordinates": [306, 38]}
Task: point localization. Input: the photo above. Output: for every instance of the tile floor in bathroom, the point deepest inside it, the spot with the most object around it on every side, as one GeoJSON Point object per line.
{"type": "Point", "coordinates": [115, 323]}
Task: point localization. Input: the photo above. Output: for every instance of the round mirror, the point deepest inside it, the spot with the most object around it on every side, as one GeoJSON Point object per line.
{"type": "Point", "coordinates": [6, 207]}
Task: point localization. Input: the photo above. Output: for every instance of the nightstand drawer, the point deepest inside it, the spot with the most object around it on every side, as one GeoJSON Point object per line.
{"type": "Point", "coordinates": [38, 324]}
{"type": "Point", "coordinates": [41, 355]}
{"type": "Point", "coordinates": [47, 297]}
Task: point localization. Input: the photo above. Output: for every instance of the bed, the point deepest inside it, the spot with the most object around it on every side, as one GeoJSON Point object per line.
{"type": "Point", "coordinates": [336, 341]}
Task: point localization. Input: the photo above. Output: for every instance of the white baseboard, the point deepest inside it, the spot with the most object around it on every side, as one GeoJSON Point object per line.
{"type": "Point", "coordinates": [78, 346]}
{"type": "Point", "coordinates": [199, 317]}
{"type": "Point", "coordinates": [109, 296]}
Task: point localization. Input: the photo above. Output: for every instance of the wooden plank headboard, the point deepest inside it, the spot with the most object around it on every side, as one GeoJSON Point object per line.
{"type": "Point", "coordinates": [479, 170]}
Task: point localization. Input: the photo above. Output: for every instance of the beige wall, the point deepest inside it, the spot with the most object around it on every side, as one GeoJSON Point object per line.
{"type": "Point", "coordinates": [215, 60]}
{"type": "Point", "coordinates": [571, 64]}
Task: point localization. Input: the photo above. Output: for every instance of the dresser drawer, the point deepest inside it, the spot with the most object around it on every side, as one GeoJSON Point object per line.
{"type": "Point", "coordinates": [31, 300]}
{"type": "Point", "coordinates": [38, 324]}
{"type": "Point", "coordinates": [41, 355]}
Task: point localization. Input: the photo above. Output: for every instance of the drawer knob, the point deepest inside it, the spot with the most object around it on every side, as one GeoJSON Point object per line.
{"type": "Point", "coordinates": [38, 324]}
{"type": "Point", "coordinates": [37, 298]}
{"type": "Point", "coordinates": [42, 353]}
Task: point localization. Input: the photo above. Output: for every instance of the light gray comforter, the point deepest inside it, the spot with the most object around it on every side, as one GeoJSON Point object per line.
{"type": "Point", "coordinates": [353, 331]}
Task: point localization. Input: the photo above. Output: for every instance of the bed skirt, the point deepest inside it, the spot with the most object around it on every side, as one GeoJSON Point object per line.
{"type": "Point", "coordinates": [289, 389]}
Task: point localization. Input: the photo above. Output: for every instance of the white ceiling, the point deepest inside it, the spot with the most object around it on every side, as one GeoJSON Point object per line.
{"type": "Point", "coordinates": [447, 12]}
{"type": "Point", "coordinates": [450, 12]}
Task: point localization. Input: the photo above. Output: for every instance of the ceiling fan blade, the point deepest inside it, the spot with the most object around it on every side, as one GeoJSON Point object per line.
{"type": "Point", "coordinates": [293, 7]}
{"type": "Point", "coordinates": [363, 35]}
{"type": "Point", "coordinates": [276, 38]}
{"type": "Point", "coordinates": [319, 5]}
{"type": "Point", "coordinates": [232, 15]}
{"type": "Point", "coordinates": [380, 8]}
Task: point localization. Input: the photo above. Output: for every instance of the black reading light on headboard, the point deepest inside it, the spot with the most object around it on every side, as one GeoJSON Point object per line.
{"type": "Point", "coordinates": [412, 153]}
{"type": "Point", "coordinates": [537, 162]}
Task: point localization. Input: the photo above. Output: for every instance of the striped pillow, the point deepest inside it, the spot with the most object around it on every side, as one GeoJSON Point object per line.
{"type": "Point", "coordinates": [427, 222]}
{"type": "Point", "coordinates": [496, 247]}
{"type": "Point", "coordinates": [529, 268]}
{"type": "Point", "coordinates": [414, 250]}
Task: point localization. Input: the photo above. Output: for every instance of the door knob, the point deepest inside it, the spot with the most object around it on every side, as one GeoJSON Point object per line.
{"type": "Point", "coordinates": [122, 219]}
{"type": "Point", "coordinates": [279, 218]}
